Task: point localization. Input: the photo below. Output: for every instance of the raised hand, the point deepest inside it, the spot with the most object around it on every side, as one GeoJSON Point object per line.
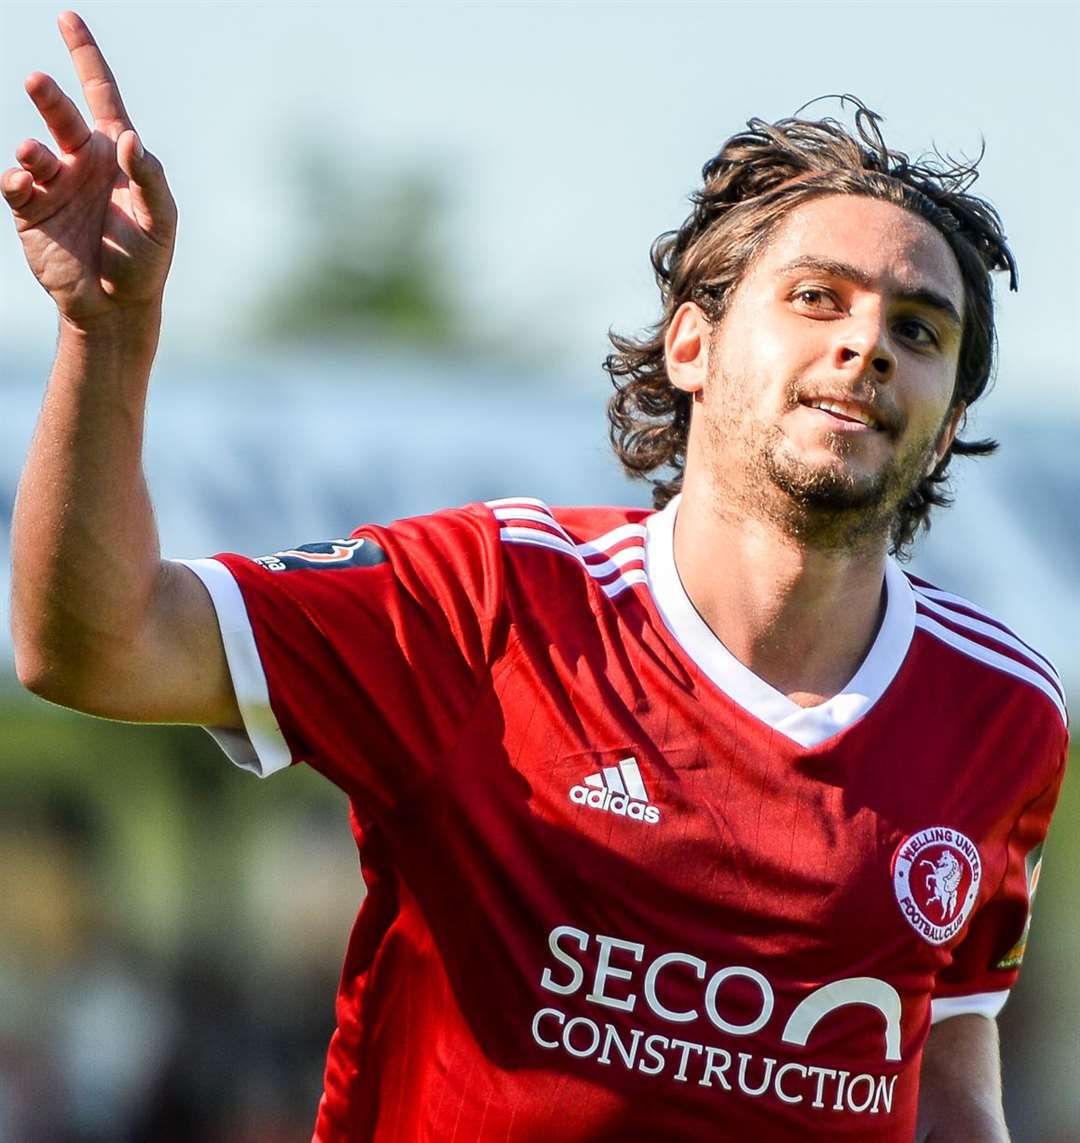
{"type": "Point", "coordinates": [96, 218]}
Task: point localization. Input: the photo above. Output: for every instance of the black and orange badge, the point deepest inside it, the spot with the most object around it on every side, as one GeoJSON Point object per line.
{"type": "Point", "coordinates": [357, 553]}
{"type": "Point", "coordinates": [1015, 955]}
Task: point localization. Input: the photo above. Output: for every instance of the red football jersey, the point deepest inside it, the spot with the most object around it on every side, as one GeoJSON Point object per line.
{"type": "Point", "coordinates": [619, 887]}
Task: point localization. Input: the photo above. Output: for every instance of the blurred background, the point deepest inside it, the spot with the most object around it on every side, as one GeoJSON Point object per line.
{"type": "Point", "coordinates": [405, 230]}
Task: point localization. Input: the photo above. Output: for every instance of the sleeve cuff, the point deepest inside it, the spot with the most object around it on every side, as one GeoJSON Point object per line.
{"type": "Point", "coordinates": [260, 747]}
{"type": "Point", "coordinates": [976, 1003]}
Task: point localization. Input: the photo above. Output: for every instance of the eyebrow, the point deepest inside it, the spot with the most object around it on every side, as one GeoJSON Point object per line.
{"type": "Point", "coordinates": [918, 295]}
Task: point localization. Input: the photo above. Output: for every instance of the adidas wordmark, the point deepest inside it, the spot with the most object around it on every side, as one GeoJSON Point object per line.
{"type": "Point", "coordinates": [617, 790]}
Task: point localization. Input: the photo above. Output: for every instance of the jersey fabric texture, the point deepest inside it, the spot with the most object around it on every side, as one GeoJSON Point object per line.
{"type": "Point", "coordinates": [620, 888]}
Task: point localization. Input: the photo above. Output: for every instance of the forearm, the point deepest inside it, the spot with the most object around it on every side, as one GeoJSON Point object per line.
{"type": "Point", "coordinates": [85, 556]}
{"type": "Point", "coordinates": [960, 1084]}
{"type": "Point", "coordinates": [965, 1124]}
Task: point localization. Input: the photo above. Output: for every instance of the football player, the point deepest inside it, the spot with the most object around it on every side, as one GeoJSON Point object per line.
{"type": "Point", "coordinates": [700, 823]}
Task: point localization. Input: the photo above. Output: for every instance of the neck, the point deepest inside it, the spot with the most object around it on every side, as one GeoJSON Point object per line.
{"type": "Point", "coordinates": [801, 617]}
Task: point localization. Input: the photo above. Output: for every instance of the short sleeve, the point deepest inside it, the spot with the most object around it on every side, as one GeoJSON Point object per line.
{"type": "Point", "coordinates": [361, 656]}
{"type": "Point", "coordinates": [986, 963]}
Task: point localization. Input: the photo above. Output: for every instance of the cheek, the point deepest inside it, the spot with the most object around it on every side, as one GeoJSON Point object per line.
{"type": "Point", "coordinates": [759, 368]}
{"type": "Point", "coordinates": [922, 435]}
{"type": "Point", "coordinates": [930, 407]}
{"type": "Point", "coordinates": [787, 346]}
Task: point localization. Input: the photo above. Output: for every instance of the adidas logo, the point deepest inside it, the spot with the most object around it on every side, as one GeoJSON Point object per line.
{"type": "Point", "coordinates": [617, 790]}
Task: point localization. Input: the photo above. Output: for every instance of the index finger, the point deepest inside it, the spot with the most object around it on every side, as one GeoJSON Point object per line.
{"type": "Point", "coordinates": [98, 82]}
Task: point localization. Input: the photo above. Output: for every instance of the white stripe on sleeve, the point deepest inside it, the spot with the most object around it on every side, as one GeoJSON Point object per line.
{"type": "Point", "coordinates": [262, 749]}
{"type": "Point", "coordinates": [977, 1003]}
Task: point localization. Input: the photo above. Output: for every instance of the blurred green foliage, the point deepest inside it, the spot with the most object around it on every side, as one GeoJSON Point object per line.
{"type": "Point", "coordinates": [371, 265]}
{"type": "Point", "coordinates": [157, 827]}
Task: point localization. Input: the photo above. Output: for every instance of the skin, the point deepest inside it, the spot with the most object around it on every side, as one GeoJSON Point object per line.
{"type": "Point", "coordinates": [99, 622]}
{"type": "Point", "coordinates": [801, 501]}
{"type": "Point", "coordinates": [797, 502]}
{"type": "Point", "coordinates": [960, 1083]}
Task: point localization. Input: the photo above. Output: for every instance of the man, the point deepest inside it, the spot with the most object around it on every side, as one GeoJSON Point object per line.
{"type": "Point", "coordinates": [676, 825]}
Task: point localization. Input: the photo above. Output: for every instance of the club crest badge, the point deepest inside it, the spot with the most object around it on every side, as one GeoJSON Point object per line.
{"type": "Point", "coordinates": [936, 874]}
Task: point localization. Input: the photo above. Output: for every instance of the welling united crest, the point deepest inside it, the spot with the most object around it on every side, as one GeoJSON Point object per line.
{"type": "Point", "coordinates": [936, 874]}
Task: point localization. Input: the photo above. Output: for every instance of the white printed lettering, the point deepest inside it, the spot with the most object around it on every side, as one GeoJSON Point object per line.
{"type": "Point", "coordinates": [669, 984]}
{"type": "Point", "coordinates": [711, 1068]}
{"type": "Point", "coordinates": [767, 1000]}
{"type": "Point", "coordinates": [653, 1001]}
{"type": "Point", "coordinates": [604, 972]}
{"type": "Point", "coordinates": [651, 1043]}
{"type": "Point", "coordinates": [536, 1026]}
{"type": "Point", "coordinates": [744, 1061]}
{"type": "Point", "coordinates": [612, 1037]}
{"type": "Point", "coordinates": [855, 990]}
{"type": "Point", "coordinates": [822, 1074]}
{"type": "Point", "coordinates": [883, 1094]}
{"type": "Point", "coordinates": [853, 1101]}
{"type": "Point", "coordinates": [687, 1048]}
{"type": "Point", "coordinates": [780, 1082]}
{"type": "Point", "coordinates": [577, 972]}
{"type": "Point", "coordinates": [709, 1065]}
{"type": "Point", "coordinates": [568, 1031]}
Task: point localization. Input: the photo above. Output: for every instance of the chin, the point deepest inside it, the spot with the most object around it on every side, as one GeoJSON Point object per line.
{"type": "Point", "coordinates": [831, 484]}
{"type": "Point", "coordinates": [826, 492]}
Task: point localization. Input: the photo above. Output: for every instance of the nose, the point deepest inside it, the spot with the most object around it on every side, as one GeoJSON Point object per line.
{"type": "Point", "coordinates": [864, 346]}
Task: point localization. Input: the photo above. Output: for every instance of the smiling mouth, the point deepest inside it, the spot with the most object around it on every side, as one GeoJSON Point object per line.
{"type": "Point", "coordinates": [850, 413]}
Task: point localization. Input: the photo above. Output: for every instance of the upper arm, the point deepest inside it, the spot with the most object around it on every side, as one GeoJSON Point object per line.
{"type": "Point", "coordinates": [360, 657]}
{"type": "Point", "coordinates": [170, 667]}
{"type": "Point", "coordinates": [960, 1083]}
{"type": "Point", "coordinates": [185, 642]}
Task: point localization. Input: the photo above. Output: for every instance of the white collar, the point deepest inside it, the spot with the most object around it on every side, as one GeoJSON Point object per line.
{"type": "Point", "coordinates": [808, 726]}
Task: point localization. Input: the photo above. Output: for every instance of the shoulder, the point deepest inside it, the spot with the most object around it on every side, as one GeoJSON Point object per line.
{"type": "Point", "coordinates": [605, 544]}
{"type": "Point", "coordinates": [977, 640]}
{"type": "Point", "coordinates": [461, 535]}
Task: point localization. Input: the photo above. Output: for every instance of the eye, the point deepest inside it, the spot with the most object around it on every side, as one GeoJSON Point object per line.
{"type": "Point", "coordinates": [816, 298]}
{"type": "Point", "coordinates": [914, 329]}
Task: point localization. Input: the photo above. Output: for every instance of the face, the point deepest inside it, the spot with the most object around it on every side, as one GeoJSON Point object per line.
{"type": "Point", "coordinates": [822, 396]}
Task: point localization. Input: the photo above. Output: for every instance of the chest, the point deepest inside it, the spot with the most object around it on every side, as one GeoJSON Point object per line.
{"type": "Point", "coordinates": [655, 804]}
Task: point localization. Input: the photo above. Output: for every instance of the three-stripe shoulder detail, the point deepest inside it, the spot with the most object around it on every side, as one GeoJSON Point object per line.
{"type": "Point", "coordinates": [970, 630]}
{"type": "Point", "coordinates": [616, 559]}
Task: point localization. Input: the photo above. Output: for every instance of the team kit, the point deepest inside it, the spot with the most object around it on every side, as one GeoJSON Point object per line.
{"type": "Point", "coordinates": [618, 886]}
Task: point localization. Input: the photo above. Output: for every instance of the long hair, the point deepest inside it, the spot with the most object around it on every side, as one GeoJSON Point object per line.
{"type": "Point", "coordinates": [758, 177]}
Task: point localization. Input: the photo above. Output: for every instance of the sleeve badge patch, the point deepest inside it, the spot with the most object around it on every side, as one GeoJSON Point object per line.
{"type": "Point", "coordinates": [1033, 866]}
{"type": "Point", "coordinates": [356, 553]}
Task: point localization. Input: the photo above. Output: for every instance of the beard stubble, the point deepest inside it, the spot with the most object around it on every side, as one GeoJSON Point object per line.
{"type": "Point", "coordinates": [824, 505]}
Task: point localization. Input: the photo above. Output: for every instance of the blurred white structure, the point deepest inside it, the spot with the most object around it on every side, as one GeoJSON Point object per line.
{"type": "Point", "coordinates": [276, 452]}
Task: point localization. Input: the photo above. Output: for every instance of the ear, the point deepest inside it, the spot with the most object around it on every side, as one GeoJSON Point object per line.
{"type": "Point", "coordinates": [686, 348]}
{"type": "Point", "coordinates": [948, 433]}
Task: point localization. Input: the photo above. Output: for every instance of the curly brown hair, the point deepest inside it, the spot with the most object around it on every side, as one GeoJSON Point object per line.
{"type": "Point", "coordinates": [758, 177]}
